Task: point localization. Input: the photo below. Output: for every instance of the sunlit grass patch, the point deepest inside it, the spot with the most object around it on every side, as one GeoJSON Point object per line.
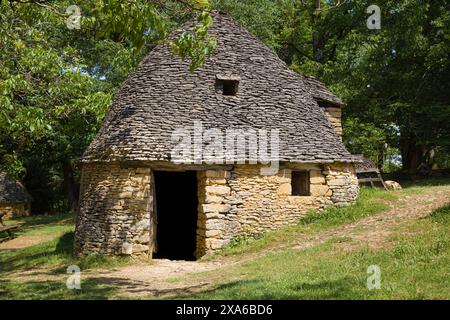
{"type": "Point", "coordinates": [371, 201]}
{"type": "Point", "coordinates": [415, 267]}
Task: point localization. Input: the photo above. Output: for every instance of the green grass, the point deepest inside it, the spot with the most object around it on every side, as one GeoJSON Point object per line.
{"type": "Point", "coordinates": [54, 257]}
{"type": "Point", "coordinates": [53, 253]}
{"type": "Point", "coordinates": [371, 201]}
{"type": "Point", "coordinates": [43, 225]}
{"type": "Point", "coordinates": [442, 215]}
{"type": "Point", "coordinates": [56, 254]}
{"type": "Point", "coordinates": [415, 267]}
{"type": "Point", "coordinates": [53, 290]}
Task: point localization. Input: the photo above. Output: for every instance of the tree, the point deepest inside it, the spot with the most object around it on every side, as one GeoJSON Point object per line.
{"type": "Point", "coordinates": [399, 77]}
{"type": "Point", "coordinates": [57, 83]}
{"type": "Point", "coordinates": [394, 80]}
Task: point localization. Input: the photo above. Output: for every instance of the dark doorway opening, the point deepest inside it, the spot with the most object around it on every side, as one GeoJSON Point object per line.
{"type": "Point", "coordinates": [176, 212]}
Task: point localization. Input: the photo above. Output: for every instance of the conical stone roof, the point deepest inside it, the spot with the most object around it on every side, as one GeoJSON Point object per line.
{"type": "Point", "coordinates": [12, 191]}
{"type": "Point", "coordinates": [162, 95]}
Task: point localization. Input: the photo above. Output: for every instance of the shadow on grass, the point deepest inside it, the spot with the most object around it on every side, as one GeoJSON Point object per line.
{"type": "Point", "coordinates": [343, 288]}
{"type": "Point", "coordinates": [425, 182]}
{"type": "Point", "coordinates": [441, 215]}
{"type": "Point", "coordinates": [135, 288]}
{"type": "Point", "coordinates": [65, 243]}
{"type": "Point", "coordinates": [104, 288]}
{"type": "Point", "coordinates": [57, 250]}
{"type": "Point", "coordinates": [44, 220]}
{"type": "Point", "coordinates": [56, 256]}
{"type": "Point", "coordinates": [38, 290]}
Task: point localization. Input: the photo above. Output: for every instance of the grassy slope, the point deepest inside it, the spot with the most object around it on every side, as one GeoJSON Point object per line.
{"type": "Point", "coordinates": [416, 267]}
{"type": "Point", "coordinates": [371, 201]}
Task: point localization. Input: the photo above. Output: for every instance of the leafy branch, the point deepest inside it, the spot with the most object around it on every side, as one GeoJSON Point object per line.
{"type": "Point", "coordinates": [131, 20]}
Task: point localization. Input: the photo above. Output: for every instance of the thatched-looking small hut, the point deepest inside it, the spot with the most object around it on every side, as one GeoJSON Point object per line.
{"type": "Point", "coordinates": [15, 200]}
{"type": "Point", "coordinates": [368, 173]}
{"type": "Point", "coordinates": [140, 197]}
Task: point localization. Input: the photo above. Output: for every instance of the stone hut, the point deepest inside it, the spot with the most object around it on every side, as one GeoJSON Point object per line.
{"type": "Point", "coordinates": [15, 200]}
{"type": "Point", "coordinates": [143, 194]}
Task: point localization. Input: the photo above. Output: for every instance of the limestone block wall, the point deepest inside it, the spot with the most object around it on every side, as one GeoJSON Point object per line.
{"type": "Point", "coordinates": [343, 182]}
{"type": "Point", "coordinates": [244, 203]}
{"type": "Point", "coordinates": [15, 210]}
{"type": "Point", "coordinates": [115, 209]}
{"type": "Point", "coordinates": [215, 224]}
{"type": "Point", "coordinates": [117, 204]}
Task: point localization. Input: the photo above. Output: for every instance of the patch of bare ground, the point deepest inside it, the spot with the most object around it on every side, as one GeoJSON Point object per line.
{"type": "Point", "coordinates": [375, 231]}
{"type": "Point", "coordinates": [153, 280]}
{"type": "Point", "coordinates": [24, 241]}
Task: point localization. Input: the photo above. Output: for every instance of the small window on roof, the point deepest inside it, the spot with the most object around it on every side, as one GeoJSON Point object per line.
{"type": "Point", "coordinates": [300, 183]}
{"type": "Point", "coordinates": [228, 85]}
{"type": "Point", "coordinates": [230, 88]}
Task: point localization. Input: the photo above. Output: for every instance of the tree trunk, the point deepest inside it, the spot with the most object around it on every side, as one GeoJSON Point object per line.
{"type": "Point", "coordinates": [409, 154]}
{"type": "Point", "coordinates": [417, 158]}
{"type": "Point", "coordinates": [317, 41]}
{"type": "Point", "coordinates": [70, 186]}
{"type": "Point", "coordinates": [382, 154]}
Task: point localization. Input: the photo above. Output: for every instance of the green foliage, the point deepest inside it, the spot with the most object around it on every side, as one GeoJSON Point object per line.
{"type": "Point", "coordinates": [50, 106]}
{"type": "Point", "coordinates": [394, 80]}
{"type": "Point", "coordinates": [57, 84]}
{"type": "Point", "coordinates": [264, 18]}
{"type": "Point", "coordinates": [196, 44]}
{"type": "Point", "coordinates": [397, 77]}
{"type": "Point", "coordinates": [364, 138]}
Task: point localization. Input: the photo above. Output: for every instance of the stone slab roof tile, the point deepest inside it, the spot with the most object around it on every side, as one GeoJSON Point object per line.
{"type": "Point", "coordinates": [318, 90]}
{"type": "Point", "coordinates": [162, 95]}
{"type": "Point", "coordinates": [12, 191]}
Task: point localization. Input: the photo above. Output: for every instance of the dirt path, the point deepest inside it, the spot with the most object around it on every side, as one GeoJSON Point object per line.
{"type": "Point", "coordinates": [25, 241]}
{"type": "Point", "coordinates": [374, 231]}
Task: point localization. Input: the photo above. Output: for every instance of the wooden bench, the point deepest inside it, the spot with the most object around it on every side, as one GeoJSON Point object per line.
{"type": "Point", "coordinates": [8, 229]}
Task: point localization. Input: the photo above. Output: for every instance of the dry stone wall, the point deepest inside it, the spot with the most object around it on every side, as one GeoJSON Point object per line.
{"type": "Point", "coordinates": [116, 204]}
{"type": "Point", "coordinates": [15, 210]}
{"type": "Point", "coordinates": [244, 203]}
{"type": "Point", "coordinates": [334, 115]}
{"type": "Point", "coordinates": [343, 183]}
{"type": "Point", "coordinates": [115, 210]}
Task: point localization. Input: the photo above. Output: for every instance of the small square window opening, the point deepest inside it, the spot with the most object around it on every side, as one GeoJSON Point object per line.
{"type": "Point", "coordinates": [300, 183]}
{"type": "Point", "coordinates": [228, 85]}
